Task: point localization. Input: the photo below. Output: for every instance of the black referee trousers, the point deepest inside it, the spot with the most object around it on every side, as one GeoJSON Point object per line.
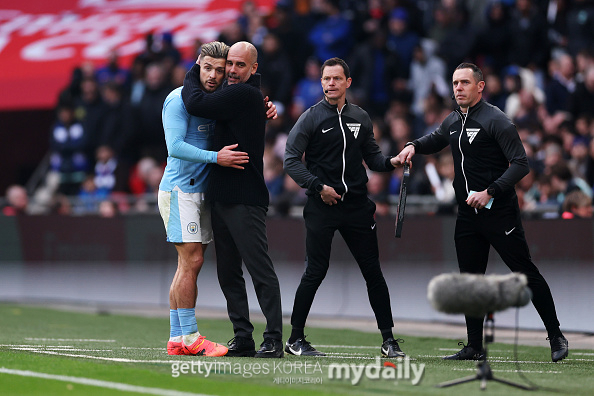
{"type": "Point", "coordinates": [501, 228]}
{"type": "Point", "coordinates": [240, 235]}
{"type": "Point", "coordinates": [355, 222]}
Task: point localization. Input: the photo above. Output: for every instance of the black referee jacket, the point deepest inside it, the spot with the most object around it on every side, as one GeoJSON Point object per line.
{"type": "Point", "coordinates": [487, 151]}
{"type": "Point", "coordinates": [335, 142]}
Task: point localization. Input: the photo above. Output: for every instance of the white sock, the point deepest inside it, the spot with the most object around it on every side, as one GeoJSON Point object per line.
{"type": "Point", "coordinates": [175, 339]}
{"type": "Point", "coordinates": [189, 339]}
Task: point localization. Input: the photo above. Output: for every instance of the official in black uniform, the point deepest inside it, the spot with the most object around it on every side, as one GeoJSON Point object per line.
{"type": "Point", "coordinates": [489, 160]}
{"type": "Point", "coordinates": [336, 137]}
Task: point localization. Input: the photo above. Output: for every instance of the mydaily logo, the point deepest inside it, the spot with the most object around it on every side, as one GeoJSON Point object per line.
{"type": "Point", "coordinates": [402, 370]}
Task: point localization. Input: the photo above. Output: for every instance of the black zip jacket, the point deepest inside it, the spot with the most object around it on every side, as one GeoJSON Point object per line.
{"type": "Point", "coordinates": [335, 142]}
{"type": "Point", "coordinates": [487, 151]}
{"type": "Point", "coordinates": [241, 118]}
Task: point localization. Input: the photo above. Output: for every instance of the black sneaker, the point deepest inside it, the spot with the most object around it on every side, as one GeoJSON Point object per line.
{"type": "Point", "coordinates": [391, 349]}
{"type": "Point", "coordinates": [467, 353]}
{"type": "Point", "coordinates": [559, 348]}
{"type": "Point", "coordinates": [270, 348]}
{"type": "Point", "coordinates": [302, 348]}
{"type": "Point", "coordinates": [241, 347]}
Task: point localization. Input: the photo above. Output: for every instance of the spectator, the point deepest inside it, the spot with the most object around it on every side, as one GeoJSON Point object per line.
{"type": "Point", "coordinates": [17, 201]}
{"type": "Point", "coordinates": [333, 35]}
{"type": "Point", "coordinates": [494, 39]}
{"type": "Point", "coordinates": [563, 182]}
{"type": "Point", "coordinates": [528, 45]}
{"type": "Point", "coordinates": [374, 68]}
{"type": "Point", "coordinates": [68, 147]}
{"type": "Point", "coordinates": [401, 40]}
{"type": "Point", "coordinates": [581, 101]}
{"type": "Point", "coordinates": [580, 26]}
{"type": "Point", "coordinates": [111, 175]}
{"type": "Point", "coordinates": [427, 73]}
{"type": "Point", "coordinates": [308, 90]}
{"type": "Point", "coordinates": [90, 112]}
{"type": "Point", "coordinates": [149, 133]}
{"type": "Point", "coordinates": [275, 68]}
{"type": "Point", "coordinates": [113, 72]}
{"type": "Point", "coordinates": [117, 127]}
{"type": "Point", "coordinates": [577, 205]}
{"type": "Point", "coordinates": [561, 85]}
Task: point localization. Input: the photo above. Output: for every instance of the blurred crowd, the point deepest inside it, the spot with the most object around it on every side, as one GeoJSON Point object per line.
{"type": "Point", "coordinates": [107, 144]}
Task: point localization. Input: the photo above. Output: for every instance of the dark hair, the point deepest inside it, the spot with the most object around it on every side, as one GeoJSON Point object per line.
{"type": "Point", "coordinates": [334, 62]}
{"type": "Point", "coordinates": [477, 73]}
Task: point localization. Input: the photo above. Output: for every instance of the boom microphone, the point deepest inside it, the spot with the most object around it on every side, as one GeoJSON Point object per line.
{"type": "Point", "coordinates": [476, 295]}
{"type": "Point", "coordinates": [325, 91]}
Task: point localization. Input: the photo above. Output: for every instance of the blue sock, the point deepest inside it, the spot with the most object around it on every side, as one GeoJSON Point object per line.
{"type": "Point", "coordinates": [187, 320]}
{"type": "Point", "coordinates": [175, 329]}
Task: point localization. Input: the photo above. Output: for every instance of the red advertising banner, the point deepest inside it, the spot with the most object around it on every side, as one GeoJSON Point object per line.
{"type": "Point", "coordinates": [42, 41]}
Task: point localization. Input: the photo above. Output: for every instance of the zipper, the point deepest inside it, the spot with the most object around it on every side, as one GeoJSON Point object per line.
{"type": "Point", "coordinates": [463, 118]}
{"type": "Point", "coordinates": [344, 141]}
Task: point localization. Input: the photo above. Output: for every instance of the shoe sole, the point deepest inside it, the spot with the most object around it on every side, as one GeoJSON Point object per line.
{"type": "Point", "coordinates": [269, 355]}
{"type": "Point", "coordinates": [231, 353]}
{"type": "Point", "coordinates": [561, 358]}
{"type": "Point", "coordinates": [393, 357]}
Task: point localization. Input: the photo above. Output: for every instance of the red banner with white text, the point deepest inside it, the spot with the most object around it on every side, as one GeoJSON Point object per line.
{"type": "Point", "coordinates": [42, 41]}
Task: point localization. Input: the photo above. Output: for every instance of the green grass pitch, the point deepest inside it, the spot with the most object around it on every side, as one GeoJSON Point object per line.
{"type": "Point", "coordinates": [51, 352]}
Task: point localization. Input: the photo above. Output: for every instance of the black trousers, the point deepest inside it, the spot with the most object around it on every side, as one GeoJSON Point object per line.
{"type": "Point", "coordinates": [354, 220]}
{"type": "Point", "coordinates": [502, 229]}
{"type": "Point", "coordinates": [240, 234]}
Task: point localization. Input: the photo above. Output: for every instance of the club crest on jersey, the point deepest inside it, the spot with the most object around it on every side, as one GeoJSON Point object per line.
{"type": "Point", "coordinates": [192, 228]}
{"type": "Point", "coordinates": [354, 128]}
{"type": "Point", "coordinates": [471, 132]}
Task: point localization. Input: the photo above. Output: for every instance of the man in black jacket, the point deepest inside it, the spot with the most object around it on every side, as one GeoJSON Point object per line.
{"type": "Point", "coordinates": [336, 137]}
{"type": "Point", "coordinates": [239, 198]}
{"type": "Point", "coordinates": [489, 160]}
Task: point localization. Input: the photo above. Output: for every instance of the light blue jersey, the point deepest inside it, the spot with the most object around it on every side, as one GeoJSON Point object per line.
{"type": "Point", "coordinates": [188, 140]}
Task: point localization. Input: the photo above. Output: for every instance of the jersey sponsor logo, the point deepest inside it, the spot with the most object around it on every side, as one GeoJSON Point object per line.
{"type": "Point", "coordinates": [326, 130]}
{"type": "Point", "coordinates": [471, 132]}
{"type": "Point", "coordinates": [354, 128]}
{"type": "Point", "coordinates": [192, 228]}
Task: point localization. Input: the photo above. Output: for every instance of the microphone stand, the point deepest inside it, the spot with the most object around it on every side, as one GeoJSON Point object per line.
{"type": "Point", "coordinates": [483, 372]}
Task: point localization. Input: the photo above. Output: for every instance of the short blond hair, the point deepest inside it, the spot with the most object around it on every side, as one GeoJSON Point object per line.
{"type": "Point", "coordinates": [214, 49]}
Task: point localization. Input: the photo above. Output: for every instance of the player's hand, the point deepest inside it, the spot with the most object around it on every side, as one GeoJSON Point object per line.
{"type": "Point", "coordinates": [404, 156]}
{"type": "Point", "coordinates": [230, 158]}
{"type": "Point", "coordinates": [479, 199]}
{"type": "Point", "coordinates": [270, 109]}
{"type": "Point", "coordinates": [329, 195]}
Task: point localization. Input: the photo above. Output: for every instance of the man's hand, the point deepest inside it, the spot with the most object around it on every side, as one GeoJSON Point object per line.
{"type": "Point", "coordinates": [233, 159]}
{"type": "Point", "coordinates": [404, 156]}
{"type": "Point", "coordinates": [329, 195]}
{"type": "Point", "coordinates": [479, 199]}
{"type": "Point", "coordinates": [271, 109]}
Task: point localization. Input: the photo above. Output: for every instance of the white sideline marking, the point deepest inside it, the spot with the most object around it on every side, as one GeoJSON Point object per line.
{"type": "Point", "coordinates": [35, 349]}
{"type": "Point", "coordinates": [347, 346]}
{"type": "Point", "coordinates": [68, 339]}
{"type": "Point", "coordinates": [99, 383]}
{"type": "Point", "coordinates": [511, 371]}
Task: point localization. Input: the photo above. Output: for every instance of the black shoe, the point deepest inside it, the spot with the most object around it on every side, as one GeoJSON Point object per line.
{"type": "Point", "coordinates": [467, 353]}
{"type": "Point", "coordinates": [559, 348]}
{"type": "Point", "coordinates": [241, 347]}
{"type": "Point", "coordinates": [391, 349]}
{"type": "Point", "coordinates": [270, 348]}
{"type": "Point", "coordinates": [302, 348]}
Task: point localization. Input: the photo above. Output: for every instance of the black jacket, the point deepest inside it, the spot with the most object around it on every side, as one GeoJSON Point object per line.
{"type": "Point", "coordinates": [487, 151]}
{"type": "Point", "coordinates": [335, 143]}
{"type": "Point", "coordinates": [241, 118]}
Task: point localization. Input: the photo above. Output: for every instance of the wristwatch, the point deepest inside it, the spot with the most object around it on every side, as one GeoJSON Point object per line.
{"type": "Point", "coordinates": [319, 188]}
{"type": "Point", "coordinates": [491, 191]}
{"type": "Point", "coordinates": [410, 144]}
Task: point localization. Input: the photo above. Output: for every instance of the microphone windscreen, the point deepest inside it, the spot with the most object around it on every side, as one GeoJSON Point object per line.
{"type": "Point", "coordinates": [476, 295]}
